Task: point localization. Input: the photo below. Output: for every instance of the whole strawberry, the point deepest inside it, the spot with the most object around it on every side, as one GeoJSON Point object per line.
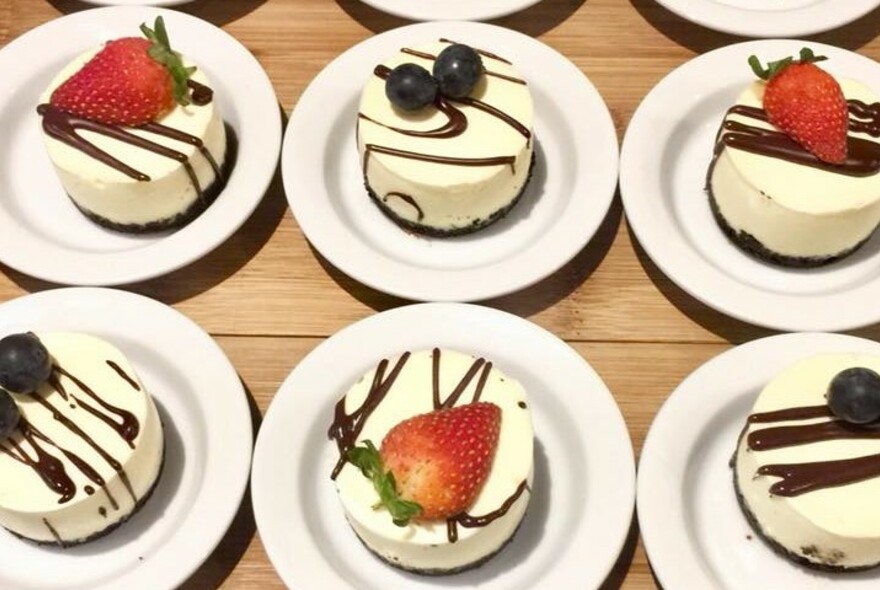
{"type": "Point", "coordinates": [131, 81]}
{"type": "Point", "coordinates": [433, 465]}
{"type": "Point", "coordinates": [806, 103]}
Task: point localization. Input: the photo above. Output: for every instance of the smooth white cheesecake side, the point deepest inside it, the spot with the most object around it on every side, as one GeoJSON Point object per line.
{"type": "Point", "coordinates": [121, 199]}
{"type": "Point", "coordinates": [836, 526]}
{"type": "Point", "coordinates": [792, 209]}
{"type": "Point", "coordinates": [28, 506]}
{"type": "Point", "coordinates": [426, 546]}
{"type": "Point", "coordinates": [449, 196]}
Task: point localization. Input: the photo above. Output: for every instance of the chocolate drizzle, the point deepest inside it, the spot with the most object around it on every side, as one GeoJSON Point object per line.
{"type": "Point", "coordinates": [64, 127]}
{"type": "Point", "coordinates": [347, 427]}
{"type": "Point", "coordinates": [448, 160]}
{"type": "Point", "coordinates": [201, 94]}
{"type": "Point", "coordinates": [482, 52]}
{"type": "Point", "coordinates": [863, 156]}
{"type": "Point", "coordinates": [801, 478]}
{"type": "Point", "coordinates": [128, 426]}
{"type": "Point", "coordinates": [408, 200]}
{"type": "Point", "coordinates": [124, 375]}
{"type": "Point", "coordinates": [50, 469]}
{"type": "Point", "coordinates": [466, 520]}
{"type": "Point", "coordinates": [865, 118]}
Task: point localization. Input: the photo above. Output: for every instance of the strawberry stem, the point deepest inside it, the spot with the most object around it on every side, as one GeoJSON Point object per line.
{"type": "Point", "coordinates": [774, 67]}
{"type": "Point", "coordinates": [161, 51]}
{"type": "Point", "coordinates": [367, 459]}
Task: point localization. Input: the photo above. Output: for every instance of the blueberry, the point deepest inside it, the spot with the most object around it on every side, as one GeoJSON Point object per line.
{"type": "Point", "coordinates": [24, 363]}
{"type": "Point", "coordinates": [410, 87]}
{"type": "Point", "coordinates": [457, 69]}
{"type": "Point", "coordinates": [8, 415]}
{"type": "Point", "coordinates": [854, 395]}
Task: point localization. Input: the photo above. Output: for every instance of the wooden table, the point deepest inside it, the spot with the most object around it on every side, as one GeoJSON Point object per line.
{"type": "Point", "coordinates": [268, 298]}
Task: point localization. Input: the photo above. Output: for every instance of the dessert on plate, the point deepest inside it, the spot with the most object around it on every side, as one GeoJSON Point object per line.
{"type": "Point", "coordinates": [445, 137]}
{"type": "Point", "coordinates": [807, 465]}
{"type": "Point", "coordinates": [435, 460]}
{"type": "Point", "coordinates": [81, 442]}
{"type": "Point", "coordinates": [135, 135]}
{"type": "Point", "coordinates": [795, 179]}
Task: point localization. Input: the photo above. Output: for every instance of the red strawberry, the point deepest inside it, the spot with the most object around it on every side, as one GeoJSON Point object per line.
{"type": "Point", "coordinates": [435, 463]}
{"type": "Point", "coordinates": [807, 104]}
{"type": "Point", "coordinates": [131, 81]}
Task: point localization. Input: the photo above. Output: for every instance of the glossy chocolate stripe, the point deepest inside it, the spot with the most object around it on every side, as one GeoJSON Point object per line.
{"type": "Point", "coordinates": [347, 427]}
{"type": "Point", "coordinates": [54, 533]}
{"type": "Point", "coordinates": [801, 478]}
{"type": "Point", "coordinates": [788, 436]}
{"type": "Point", "coordinates": [790, 414]}
{"type": "Point", "coordinates": [481, 384]}
{"type": "Point", "coordinates": [445, 160]}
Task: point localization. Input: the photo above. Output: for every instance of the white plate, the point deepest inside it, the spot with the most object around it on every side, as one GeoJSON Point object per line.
{"type": "Point", "coordinates": [779, 18]}
{"type": "Point", "coordinates": [208, 446]}
{"type": "Point", "coordinates": [582, 502]}
{"type": "Point", "coordinates": [666, 152]}
{"type": "Point", "coordinates": [694, 531]}
{"type": "Point", "coordinates": [43, 234]}
{"type": "Point", "coordinates": [450, 9]}
{"type": "Point", "coordinates": [566, 201]}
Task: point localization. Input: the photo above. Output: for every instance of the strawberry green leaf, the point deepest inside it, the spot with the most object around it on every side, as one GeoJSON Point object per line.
{"type": "Point", "coordinates": [774, 67]}
{"type": "Point", "coordinates": [161, 51]}
{"type": "Point", "coordinates": [367, 459]}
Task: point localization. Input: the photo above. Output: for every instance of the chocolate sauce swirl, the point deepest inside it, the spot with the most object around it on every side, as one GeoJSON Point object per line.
{"type": "Point", "coordinates": [447, 160]}
{"type": "Point", "coordinates": [801, 478]}
{"type": "Point", "coordinates": [453, 397]}
{"type": "Point", "coordinates": [466, 520]}
{"type": "Point", "coordinates": [127, 426]}
{"type": "Point", "coordinates": [862, 159]}
{"type": "Point", "coordinates": [865, 118]}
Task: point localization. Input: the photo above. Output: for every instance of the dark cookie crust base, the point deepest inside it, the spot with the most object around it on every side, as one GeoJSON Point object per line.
{"type": "Point", "coordinates": [750, 244]}
{"type": "Point", "coordinates": [102, 533]}
{"type": "Point", "coordinates": [209, 195]}
{"type": "Point", "coordinates": [777, 547]}
{"type": "Point", "coordinates": [449, 572]}
{"type": "Point", "coordinates": [433, 232]}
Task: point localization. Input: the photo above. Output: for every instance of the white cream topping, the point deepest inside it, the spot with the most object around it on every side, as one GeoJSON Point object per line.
{"type": "Point", "coordinates": [792, 209]}
{"type": "Point", "coordinates": [425, 546]}
{"type": "Point", "coordinates": [28, 506]}
{"type": "Point", "coordinates": [838, 525]}
{"type": "Point", "coordinates": [449, 196]}
{"type": "Point", "coordinates": [105, 191]}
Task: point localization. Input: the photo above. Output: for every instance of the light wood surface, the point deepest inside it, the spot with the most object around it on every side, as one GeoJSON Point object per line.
{"type": "Point", "coordinates": [269, 298]}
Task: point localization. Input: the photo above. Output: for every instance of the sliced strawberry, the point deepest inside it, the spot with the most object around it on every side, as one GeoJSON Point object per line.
{"type": "Point", "coordinates": [807, 104]}
{"type": "Point", "coordinates": [435, 463]}
{"type": "Point", "coordinates": [131, 81]}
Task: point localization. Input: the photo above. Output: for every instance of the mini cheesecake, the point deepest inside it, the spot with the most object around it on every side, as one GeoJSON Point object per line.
{"type": "Point", "coordinates": [807, 481]}
{"type": "Point", "coordinates": [418, 383]}
{"type": "Point", "coordinates": [452, 167]}
{"type": "Point", "coordinates": [779, 202]}
{"type": "Point", "coordinates": [88, 449]}
{"type": "Point", "coordinates": [140, 179]}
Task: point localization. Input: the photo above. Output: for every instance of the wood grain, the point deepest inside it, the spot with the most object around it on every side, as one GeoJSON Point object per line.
{"type": "Point", "coordinates": [269, 298]}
